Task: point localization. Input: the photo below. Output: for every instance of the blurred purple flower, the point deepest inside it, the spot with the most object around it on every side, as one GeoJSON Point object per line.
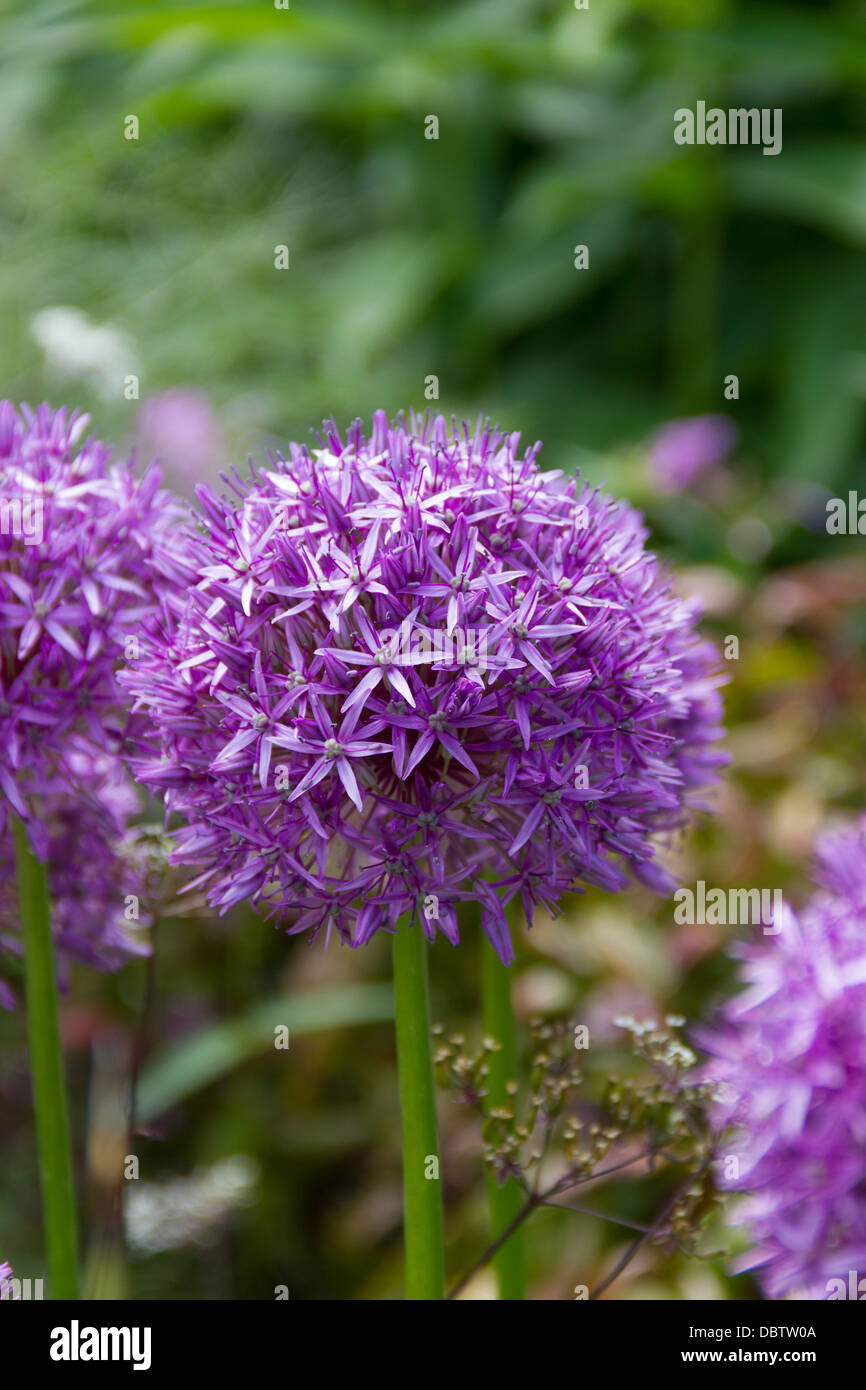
{"type": "Point", "coordinates": [6, 1274]}
{"type": "Point", "coordinates": [684, 450]}
{"type": "Point", "coordinates": [415, 672]}
{"type": "Point", "coordinates": [77, 537]}
{"type": "Point", "coordinates": [97, 873]}
{"type": "Point", "coordinates": [181, 429]}
{"type": "Point", "coordinates": [791, 1060]}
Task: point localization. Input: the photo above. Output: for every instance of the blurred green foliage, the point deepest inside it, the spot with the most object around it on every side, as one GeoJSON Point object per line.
{"type": "Point", "coordinates": [453, 257]}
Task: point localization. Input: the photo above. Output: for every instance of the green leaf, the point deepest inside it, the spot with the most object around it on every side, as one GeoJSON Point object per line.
{"type": "Point", "coordinates": [188, 1066]}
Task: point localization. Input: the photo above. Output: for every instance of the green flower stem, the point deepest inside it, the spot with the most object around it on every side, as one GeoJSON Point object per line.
{"type": "Point", "coordinates": [46, 1069]}
{"type": "Point", "coordinates": [422, 1193]}
{"type": "Point", "coordinates": [507, 1201]}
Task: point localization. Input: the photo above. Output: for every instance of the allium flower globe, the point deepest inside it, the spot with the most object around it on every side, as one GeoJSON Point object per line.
{"type": "Point", "coordinates": [5, 1275]}
{"type": "Point", "coordinates": [77, 538]}
{"type": "Point", "coordinates": [791, 1063]}
{"type": "Point", "coordinates": [415, 671]}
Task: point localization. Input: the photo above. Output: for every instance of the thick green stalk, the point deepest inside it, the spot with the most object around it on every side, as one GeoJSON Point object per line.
{"type": "Point", "coordinates": [506, 1201]}
{"type": "Point", "coordinates": [46, 1070]}
{"type": "Point", "coordinates": [422, 1193]}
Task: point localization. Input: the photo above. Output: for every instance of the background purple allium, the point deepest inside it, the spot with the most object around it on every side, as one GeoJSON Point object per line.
{"type": "Point", "coordinates": [77, 533]}
{"type": "Point", "coordinates": [342, 776]}
{"type": "Point", "coordinates": [97, 865]}
{"type": "Point", "coordinates": [684, 450]}
{"type": "Point", "coordinates": [182, 430]}
{"type": "Point", "coordinates": [6, 1273]}
{"type": "Point", "coordinates": [791, 1058]}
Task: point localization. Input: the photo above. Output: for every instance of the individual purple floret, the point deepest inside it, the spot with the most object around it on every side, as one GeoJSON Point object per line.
{"type": "Point", "coordinates": [77, 533]}
{"type": "Point", "coordinates": [415, 672]}
{"type": "Point", "coordinates": [684, 450]}
{"type": "Point", "coordinates": [791, 1060]}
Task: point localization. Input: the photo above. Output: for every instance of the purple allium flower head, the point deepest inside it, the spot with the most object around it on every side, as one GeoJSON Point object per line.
{"type": "Point", "coordinates": [684, 450]}
{"type": "Point", "coordinates": [791, 1060]}
{"type": "Point", "coordinates": [5, 1275]}
{"type": "Point", "coordinates": [416, 671]}
{"type": "Point", "coordinates": [77, 533]}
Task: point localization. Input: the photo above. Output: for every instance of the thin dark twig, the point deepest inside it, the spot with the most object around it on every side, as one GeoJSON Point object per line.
{"type": "Point", "coordinates": [644, 1236]}
{"type": "Point", "coordinates": [572, 1180]}
{"type": "Point", "coordinates": [581, 1210]}
{"type": "Point", "coordinates": [531, 1203]}
{"type": "Point", "coordinates": [537, 1199]}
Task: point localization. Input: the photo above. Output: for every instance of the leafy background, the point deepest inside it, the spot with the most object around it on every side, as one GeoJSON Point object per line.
{"type": "Point", "coordinates": [411, 257]}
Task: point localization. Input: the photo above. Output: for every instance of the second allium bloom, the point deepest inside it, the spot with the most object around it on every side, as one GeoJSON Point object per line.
{"type": "Point", "coordinates": [790, 1060]}
{"type": "Point", "coordinates": [77, 536]}
{"type": "Point", "coordinates": [415, 671]}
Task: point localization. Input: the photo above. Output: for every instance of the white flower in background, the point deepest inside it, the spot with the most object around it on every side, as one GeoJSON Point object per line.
{"type": "Point", "coordinates": [188, 1211]}
{"type": "Point", "coordinates": [77, 349]}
